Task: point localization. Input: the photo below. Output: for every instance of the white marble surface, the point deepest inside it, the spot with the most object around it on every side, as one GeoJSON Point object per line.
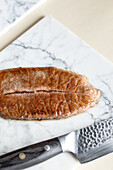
{"type": "Point", "coordinates": [10, 10]}
{"type": "Point", "coordinates": [49, 43]}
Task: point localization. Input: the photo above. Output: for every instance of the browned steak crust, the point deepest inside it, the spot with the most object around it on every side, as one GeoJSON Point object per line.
{"type": "Point", "coordinates": [44, 93]}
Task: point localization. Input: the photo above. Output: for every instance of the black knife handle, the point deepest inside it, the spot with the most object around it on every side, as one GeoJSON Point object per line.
{"type": "Point", "coordinates": [30, 155]}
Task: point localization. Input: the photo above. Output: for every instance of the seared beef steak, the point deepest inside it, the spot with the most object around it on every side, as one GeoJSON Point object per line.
{"type": "Point", "coordinates": [44, 93]}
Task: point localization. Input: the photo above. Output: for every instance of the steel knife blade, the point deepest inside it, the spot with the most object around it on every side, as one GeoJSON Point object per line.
{"type": "Point", "coordinates": [90, 142]}
{"type": "Point", "coordinates": [86, 144]}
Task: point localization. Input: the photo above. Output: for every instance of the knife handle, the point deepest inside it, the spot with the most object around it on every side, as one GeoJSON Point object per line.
{"type": "Point", "coordinates": [30, 155]}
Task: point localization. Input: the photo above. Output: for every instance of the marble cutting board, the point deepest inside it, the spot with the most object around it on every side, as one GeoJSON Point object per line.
{"type": "Point", "coordinates": [49, 43]}
{"type": "Point", "coordinates": [10, 10]}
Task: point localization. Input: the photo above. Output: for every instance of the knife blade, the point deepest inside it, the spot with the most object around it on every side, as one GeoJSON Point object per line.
{"type": "Point", "coordinates": [86, 144]}
{"type": "Point", "coordinates": [90, 142]}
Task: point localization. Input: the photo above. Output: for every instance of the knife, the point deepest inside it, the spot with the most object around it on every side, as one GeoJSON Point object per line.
{"type": "Point", "coordinates": [86, 144]}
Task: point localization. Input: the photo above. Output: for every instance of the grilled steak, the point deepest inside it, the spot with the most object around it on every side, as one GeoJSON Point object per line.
{"type": "Point", "coordinates": [44, 93]}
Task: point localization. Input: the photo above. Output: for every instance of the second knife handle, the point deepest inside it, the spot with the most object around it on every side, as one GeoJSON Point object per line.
{"type": "Point", "coordinates": [30, 155]}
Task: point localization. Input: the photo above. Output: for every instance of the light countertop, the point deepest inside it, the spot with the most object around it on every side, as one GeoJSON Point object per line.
{"type": "Point", "coordinates": [91, 20]}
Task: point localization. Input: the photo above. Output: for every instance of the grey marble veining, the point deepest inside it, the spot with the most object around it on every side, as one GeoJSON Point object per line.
{"type": "Point", "coordinates": [49, 43]}
{"type": "Point", "coordinates": [10, 10]}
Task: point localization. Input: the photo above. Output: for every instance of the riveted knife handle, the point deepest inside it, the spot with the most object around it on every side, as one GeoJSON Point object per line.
{"type": "Point", "coordinates": [30, 155]}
